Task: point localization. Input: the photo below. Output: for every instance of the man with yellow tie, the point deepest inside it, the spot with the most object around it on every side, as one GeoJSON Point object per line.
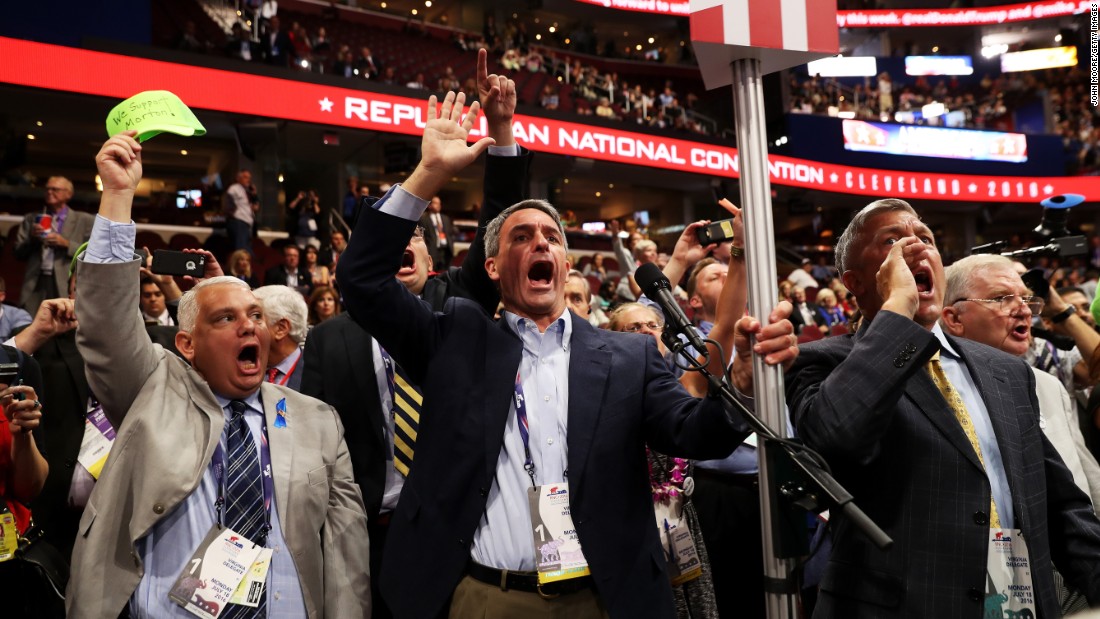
{"type": "Point", "coordinates": [939, 441]}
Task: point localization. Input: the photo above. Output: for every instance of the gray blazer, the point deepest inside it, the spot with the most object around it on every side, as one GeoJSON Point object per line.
{"type": "Point", "coordinates": [28, 247]}
{"type": "Point", "coordinates": [168, 427]}
{"type": "Point", "coordinates": [865, 402]}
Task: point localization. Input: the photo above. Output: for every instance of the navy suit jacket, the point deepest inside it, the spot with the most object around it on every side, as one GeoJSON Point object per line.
{"type": "Point", "coordinates": [622, 396]}
{"type": "Point", "coordinates": [339, 364]}
{"type": "Point", "coordinates": [865, 402]}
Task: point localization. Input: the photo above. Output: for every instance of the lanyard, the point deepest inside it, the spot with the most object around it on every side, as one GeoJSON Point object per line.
{"type": "Point", "coordinates": [524, 430]}
{"type": "Point", "coordinates": [388, 362]}
{"type": "Point", "coordinates": [219, 465]}
{"type": "Point", "coordinates": [290, 371]}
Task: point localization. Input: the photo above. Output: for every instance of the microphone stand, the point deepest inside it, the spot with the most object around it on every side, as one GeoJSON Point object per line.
{"type": "Point", "coordinates": [802, 480]}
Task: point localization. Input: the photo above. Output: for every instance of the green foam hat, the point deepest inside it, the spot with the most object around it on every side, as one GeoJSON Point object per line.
{"type": "Point", "coordinates": [151, 113]}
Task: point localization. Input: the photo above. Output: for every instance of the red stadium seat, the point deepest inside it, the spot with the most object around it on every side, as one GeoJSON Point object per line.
{"type": "Point", "coordinates": [809, 334]}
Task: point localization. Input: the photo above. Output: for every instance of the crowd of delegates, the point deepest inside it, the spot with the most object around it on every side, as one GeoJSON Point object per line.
{"type": "Point", "coordinates": [387, 460]}
{"type": "Point", "coordinates": [986, 104]}
{"type": "Point", "coordinates": [594, 92]}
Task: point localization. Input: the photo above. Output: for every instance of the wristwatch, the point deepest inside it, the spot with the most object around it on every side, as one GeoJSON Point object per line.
{"type": "Point", "coordinates": [1063, 315]}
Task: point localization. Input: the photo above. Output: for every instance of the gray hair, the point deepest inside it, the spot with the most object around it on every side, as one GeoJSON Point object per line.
{"type": "Point", "coordinates": [284, 302]}
{"type": "Point", "coordinates": [853, 234]}
{"type": "Point", "coordinates": [189, 305]}
{"type": "Point", "coordinates": [962, 275]}
{"type": "Point", "coordinates": [640, 248]}
{"type": "Point", "coordinates": [615, 320]}
{"type": "Point", "coordinates": [492, 231]}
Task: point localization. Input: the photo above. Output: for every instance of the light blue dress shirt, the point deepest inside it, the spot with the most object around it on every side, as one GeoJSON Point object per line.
{"type": "Point", "coordinates": [167, 548]}
{"type": "Point", "coordinates": [504, 539]}
{"type": "Point", "coordinates": [963, 382]}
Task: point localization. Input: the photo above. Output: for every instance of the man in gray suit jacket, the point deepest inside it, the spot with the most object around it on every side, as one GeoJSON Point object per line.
{"type": "Point", "coordinates": [47, 250]}
{"type": "Point", "coordinates": [867, 402]}
{"type": "Point", "coordinates": [162, 489]}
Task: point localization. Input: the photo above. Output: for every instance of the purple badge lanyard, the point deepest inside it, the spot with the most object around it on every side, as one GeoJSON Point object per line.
{"type": "Point", "coordinates": [388, 362]}
{"type": "Point", "coordinates": [100, 421]}
{"type": "Point", "coordinates": [524, 430]}
{"type": "Point", "coordinates": [219, 465]}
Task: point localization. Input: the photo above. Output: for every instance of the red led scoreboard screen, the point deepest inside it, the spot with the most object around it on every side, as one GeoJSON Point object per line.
{"type": "Point", "coordinates": [118, 77]}
{"type": "Point", "coordinates": [894, 18]}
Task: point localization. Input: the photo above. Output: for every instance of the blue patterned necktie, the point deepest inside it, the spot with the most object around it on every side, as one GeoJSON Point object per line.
{"type": "Point", "coordinates": [244, 500]}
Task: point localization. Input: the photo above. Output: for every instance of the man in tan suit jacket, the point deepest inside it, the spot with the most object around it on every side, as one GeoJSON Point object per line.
{"type": "Point", "coordinates": [154, 501]}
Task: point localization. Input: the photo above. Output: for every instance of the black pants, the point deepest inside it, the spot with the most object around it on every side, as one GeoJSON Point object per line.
{"type": "Point", "coordinates": [729, 515]}
{"type": "Point", "coordinates": [30, 594]}
{"type": "Point", "coordinates": [378, 533]}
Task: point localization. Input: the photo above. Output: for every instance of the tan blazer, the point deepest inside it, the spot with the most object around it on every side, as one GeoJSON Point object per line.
{"type": "Point", "coordinates": [168, 427]}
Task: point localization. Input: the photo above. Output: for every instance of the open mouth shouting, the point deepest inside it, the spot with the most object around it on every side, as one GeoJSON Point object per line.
{"type": "Point", "coordinates": [1021, 331]}
{"type": "Point", "coordinates": [541, 275]}
{"type": "Point", "coordinates": [248, 359]}
{"type": "Point", "coordinates": [923, 278]}
{"type": "Point", "coordinates": [408, 263]}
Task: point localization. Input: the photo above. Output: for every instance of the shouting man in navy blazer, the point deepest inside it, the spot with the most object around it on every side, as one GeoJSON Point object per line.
{"type": "Point", "coordinates": [939, 440]}
{"type": "Point", "coordinates": [539, 408]}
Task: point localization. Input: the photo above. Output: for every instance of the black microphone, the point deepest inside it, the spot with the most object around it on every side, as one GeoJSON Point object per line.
{"type": "Point", "coordinates": [657, 287]}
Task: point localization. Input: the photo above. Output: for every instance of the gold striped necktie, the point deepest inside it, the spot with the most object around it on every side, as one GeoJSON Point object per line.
{"type": "Point", "coordinates": [407, 403]}
{"type": "Point", "coordinates": [955, 401]}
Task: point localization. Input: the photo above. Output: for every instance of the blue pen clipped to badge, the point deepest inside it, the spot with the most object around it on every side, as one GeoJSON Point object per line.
{"type": "Point", "coordinates": [280, 414]}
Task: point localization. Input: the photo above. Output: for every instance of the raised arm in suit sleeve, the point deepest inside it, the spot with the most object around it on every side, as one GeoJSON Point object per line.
{"type": "Point", "coordinates": [402, 322]}
{"type": "Point", "coordinates": [506, 173]}
{"type": "Point", "coordinates": [677, 423]}
{"type": "Point", "coordinates": [505, 184]}
{"type": "Point", "coordinates": [344, 541]}
{"type": "Point", "coordinates": [842, 392]}
{"type": "Point", "coordinates": [118, 355]}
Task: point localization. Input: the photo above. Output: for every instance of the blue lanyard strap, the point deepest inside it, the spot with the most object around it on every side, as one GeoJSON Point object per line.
{"type": "Point", "coordinates": [524, 430]}
{"type": "Point", "coordinates": [388, 362]}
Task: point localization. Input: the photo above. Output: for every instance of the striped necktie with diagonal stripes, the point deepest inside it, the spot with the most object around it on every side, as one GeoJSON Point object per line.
{"type": "Point", "coordinates": [407, 402]}
{"type": "Point", "coordinates": [244, 500]}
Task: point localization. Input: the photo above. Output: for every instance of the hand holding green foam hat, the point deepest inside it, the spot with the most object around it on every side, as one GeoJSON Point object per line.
{"type": "Point", "coordinates": [151, 113]}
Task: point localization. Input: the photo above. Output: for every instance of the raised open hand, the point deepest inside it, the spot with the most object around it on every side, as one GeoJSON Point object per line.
{"type": "Point", "coordinates": [443, 147]}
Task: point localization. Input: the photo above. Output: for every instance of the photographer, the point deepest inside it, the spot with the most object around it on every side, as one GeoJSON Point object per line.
{"type": "Point", "coordinates": [1077, 368]}
{"type": "Point", "coordinates": [23, 471]}
{"type": "Point", "coordinates": [302, 219]}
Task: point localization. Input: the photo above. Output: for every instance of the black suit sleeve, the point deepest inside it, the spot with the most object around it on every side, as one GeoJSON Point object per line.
{"type": "Point", "coordinates": [313, 356]}
{"type": "Point", "coordinates": [402, 323]}
{"type": "Point", "coordinates": [842, 401]}
{"type": "Point", "coordinates": [505, 185]}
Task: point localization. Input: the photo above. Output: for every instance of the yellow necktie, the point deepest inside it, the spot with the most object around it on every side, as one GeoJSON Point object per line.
{"type": "Point", "coordinates": [407, 403]}
{"type": "Point", "coordinates": [955, 401]}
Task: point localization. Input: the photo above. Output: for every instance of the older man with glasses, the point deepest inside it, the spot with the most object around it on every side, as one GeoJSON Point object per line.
{"type": "Point", "coordinates": [992, 306]}
{"type": "Point", "coordinates": [47, 241]}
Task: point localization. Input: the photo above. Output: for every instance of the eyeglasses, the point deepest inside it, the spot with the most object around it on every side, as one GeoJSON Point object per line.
{"type": "Point", "coordinates": [418, 232]}
{"type": "Point", "coordinates": [1008, 303]}
{"type": "Point", "coordinates": [635, 327]}
{"type": "Point", "coordinates": [56, 189]}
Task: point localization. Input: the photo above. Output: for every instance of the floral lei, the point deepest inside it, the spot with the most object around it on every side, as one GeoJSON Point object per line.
{"type": "Point", "coordinates": [664, 491]}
